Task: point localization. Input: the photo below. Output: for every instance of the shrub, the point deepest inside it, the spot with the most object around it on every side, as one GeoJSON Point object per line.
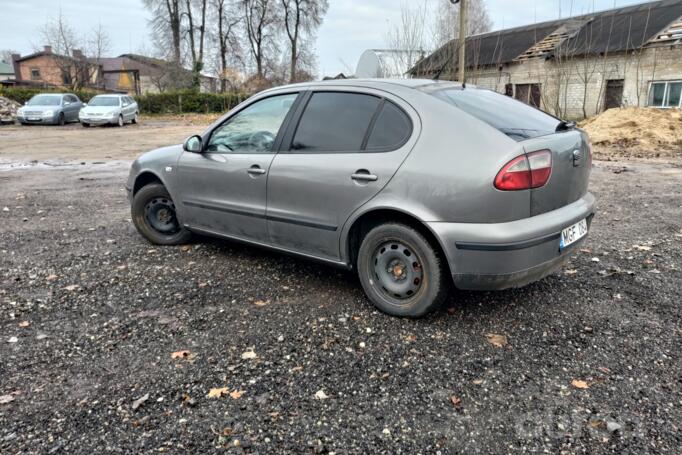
{"type": "Point", "coordinates": [188, 102]}
{"type": "Point", "coordinates": [23, 94]}
{"type": "Point", "coordinates": [180, 102]}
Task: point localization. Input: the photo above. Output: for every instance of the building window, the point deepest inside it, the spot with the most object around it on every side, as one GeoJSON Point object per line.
{"type": "Point", "coordinates": [665, 94]}
{"type": "Point", "coordinates": [66, 77]}
{"type": "Point", "coordinates": [35, 73]}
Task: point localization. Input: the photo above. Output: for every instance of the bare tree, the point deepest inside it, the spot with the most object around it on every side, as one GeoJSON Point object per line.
{"type": "Point", "coordinates": [259, 24]}
{"type": "Point", "coordinates": [301, 20]}
{"type": "Point", "coordinates": [410, 36]}
{"type": "Point", "coordinates": [228, 43]}
{"type": "Point", "coordinates": [70, 51]}
{"type": "Point", "coordinates": [166, 25]}
{"type": "Point", "coordinates": [446, 27]}
{"type": "Point", "coordinates": [196, 32]}
{"type": "Point", "coordinates": [6, 55]}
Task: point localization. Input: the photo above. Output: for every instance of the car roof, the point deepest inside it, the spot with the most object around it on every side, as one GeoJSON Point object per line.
{"type": "Point", "coordinates": [383, 84]}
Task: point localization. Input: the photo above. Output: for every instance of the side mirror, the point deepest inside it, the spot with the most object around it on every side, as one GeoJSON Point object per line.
{"type": "Point", "coordinates": [85, 104]}
{"type": "Point", "coordinates": [193, 144]}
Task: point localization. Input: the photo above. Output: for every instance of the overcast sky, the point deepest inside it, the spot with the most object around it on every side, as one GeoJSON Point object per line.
{"type": "Point", "coordinates": [350, 27]}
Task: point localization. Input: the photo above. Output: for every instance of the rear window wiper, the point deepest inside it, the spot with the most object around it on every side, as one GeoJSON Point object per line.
{"type": "Point", "coordinates": [565, 126]}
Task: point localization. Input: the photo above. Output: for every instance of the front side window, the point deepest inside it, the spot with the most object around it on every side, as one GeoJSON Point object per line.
{"type": "Point", "coordinates": [335, 122]}
{"type": "Point", "coordinates": [254, 129]}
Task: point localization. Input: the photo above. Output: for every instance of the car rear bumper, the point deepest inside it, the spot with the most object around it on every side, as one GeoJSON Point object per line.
{"type": "Point", "coordinates": [505, 255]}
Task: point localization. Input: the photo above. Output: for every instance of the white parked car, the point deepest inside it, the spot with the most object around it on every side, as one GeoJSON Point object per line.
{"type": "Point", "coordinates": [109, 109]}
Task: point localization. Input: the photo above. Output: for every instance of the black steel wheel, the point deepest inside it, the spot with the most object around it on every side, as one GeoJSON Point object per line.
{"type": "Point", "coordinates": [61, 120]}
{"type": "Point", "coordinates": [401, 271]}
{"type": "Point", "coordinates": [154, 216]}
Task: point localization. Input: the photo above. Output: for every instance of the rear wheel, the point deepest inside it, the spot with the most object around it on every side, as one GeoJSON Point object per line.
{"type": "Point", "coordinates": [135, 118]}
{"type": "Point", "coordinates": [154, 216]}
{"type": "Point", "coordinates": [400, 271]}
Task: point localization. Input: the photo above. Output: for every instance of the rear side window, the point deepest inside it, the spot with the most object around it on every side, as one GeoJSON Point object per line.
{"type": "Point", "coordinates": [392, 128]}
{"type": "Point", "coordinates": [513, 118]}
{"type": "Point", "coordinates": [335, 122]}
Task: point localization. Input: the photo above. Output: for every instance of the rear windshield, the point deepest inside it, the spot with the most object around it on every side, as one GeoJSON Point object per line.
{"type": "Point", "coordinates": [517, 120]}
{"type": "Point", "coordinates": [104, 101]}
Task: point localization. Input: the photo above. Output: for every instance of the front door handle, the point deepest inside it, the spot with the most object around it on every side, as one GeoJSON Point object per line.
{"type": "Point", "coordinates": [364, 176]}
{"type": "Point", "coordinates": [255, 170]}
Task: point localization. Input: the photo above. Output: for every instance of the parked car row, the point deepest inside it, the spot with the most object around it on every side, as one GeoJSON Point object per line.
{"type": "Point", "coordinates": [63, 108]}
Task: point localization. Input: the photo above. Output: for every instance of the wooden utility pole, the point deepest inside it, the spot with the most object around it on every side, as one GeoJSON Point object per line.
{"type": "Point", "coordinates": [463, 10]}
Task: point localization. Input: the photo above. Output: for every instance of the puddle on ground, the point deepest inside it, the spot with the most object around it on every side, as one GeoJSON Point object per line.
{"type": "Point", "coordinates": [14, 165]}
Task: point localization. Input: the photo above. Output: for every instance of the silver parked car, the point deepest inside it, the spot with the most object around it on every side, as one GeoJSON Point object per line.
{"type": "Point", "coordinates": [50, 109]}
{"type": "Point", "coordinates": [416, 184]}
{"type": "Point", "coordinates": [109, 109]}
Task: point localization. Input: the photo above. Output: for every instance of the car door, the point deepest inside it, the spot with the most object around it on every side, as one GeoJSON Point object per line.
{"type": "Point", "coordinates": [125, 108]}
{"type": "Point", "coordinates": [70, 108]}
{"type": "Point", "coordinates": [345, 147]}
{"type": "Point", "coordinates": [224, 188]}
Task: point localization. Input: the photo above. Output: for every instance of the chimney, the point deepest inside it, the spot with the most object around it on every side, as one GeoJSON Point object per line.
{"type": "Point", "coordinates": [15, 64]}
{"type": "Point", "coordinates": [47, 49]}
{"type": "Point", "coordinates": [78, 54]}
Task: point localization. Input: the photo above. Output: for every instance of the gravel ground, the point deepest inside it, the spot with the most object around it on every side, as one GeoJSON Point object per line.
{"type": "Point", "coordinates": [586, 361]}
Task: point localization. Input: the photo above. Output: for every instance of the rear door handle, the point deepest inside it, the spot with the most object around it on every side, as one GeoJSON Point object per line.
{"type": "Point", "coordinates": [364, 177]}
{"type": "Point", "coordinates": [255, 170]}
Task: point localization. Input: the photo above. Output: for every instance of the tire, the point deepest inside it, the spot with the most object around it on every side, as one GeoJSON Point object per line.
{"type": "Point", "coordinates": [393, 284]}
{"type": "Point", "coordinates": [61, 121]}
{"type": "Point", "coordinates": [85, 125]}
{"type": "Point", "coordinates": [135, 120]}
{"type": "Point", "coordinates": [159, 228]}
{"type": "Point", "coordinates": [120, 121]}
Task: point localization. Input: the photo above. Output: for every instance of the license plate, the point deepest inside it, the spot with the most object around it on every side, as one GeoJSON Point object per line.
{"type": "Point", "coordinates": [573, 233]}
{"type": "Point", "coordinates": [33, 119]}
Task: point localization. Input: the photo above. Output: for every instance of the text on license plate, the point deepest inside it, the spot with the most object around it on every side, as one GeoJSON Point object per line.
{"type": "Point", "coordinates": [573, 233]}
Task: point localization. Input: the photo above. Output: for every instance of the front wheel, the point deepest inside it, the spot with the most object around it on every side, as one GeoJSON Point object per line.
{"type": "Point", "coordinates": [120, 121]}
{"type": "Point", "coordinates": [400, 271]}
{"type": "Point", "coordinates": [61, 121]}
{"type": "Point", "coordinates": [85, 125]}
{"type": "Point", "coordinates": [153, 213]}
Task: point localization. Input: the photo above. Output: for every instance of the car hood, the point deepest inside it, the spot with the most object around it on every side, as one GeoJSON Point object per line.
{"type": "Point", "coordinates": [99, 109]}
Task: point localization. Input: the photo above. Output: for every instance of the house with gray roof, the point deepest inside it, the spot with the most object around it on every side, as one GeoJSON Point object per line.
{"type": "Point", "coordinates": [577, 66]}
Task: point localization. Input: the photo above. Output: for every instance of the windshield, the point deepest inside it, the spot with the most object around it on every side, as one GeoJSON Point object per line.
{"type": "Point", "coordinates": [104, 101]}
{"type": "Point", "coordinates": [513, 118]}
{"type": "Point", "coordinates": [45, 100]}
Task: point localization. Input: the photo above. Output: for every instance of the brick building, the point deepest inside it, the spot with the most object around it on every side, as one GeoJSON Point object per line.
{"type": "Point", "coordinates": [578, 66]}
{"type": "Point", "coordinates": [48, 69]}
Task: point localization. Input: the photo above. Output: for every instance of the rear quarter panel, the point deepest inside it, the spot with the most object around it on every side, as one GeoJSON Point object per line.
{"type": "Point", "coordinates": [449, 175]}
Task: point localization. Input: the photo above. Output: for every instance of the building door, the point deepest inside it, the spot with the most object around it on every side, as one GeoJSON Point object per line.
{"type": "Point", "coordinates": [529, 94]}
{"type": "Point", "coordinates": [614, 93]}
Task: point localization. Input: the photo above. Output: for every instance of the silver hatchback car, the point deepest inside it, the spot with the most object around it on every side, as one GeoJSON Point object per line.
{"type": "Point", "coordinates": [109, 110]}
{"type": "Point", "coordinates": [415, 184]}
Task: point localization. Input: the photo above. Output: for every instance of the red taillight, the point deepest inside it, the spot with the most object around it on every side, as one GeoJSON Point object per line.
{"type": "Point", "coordinates": [525, 172]}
